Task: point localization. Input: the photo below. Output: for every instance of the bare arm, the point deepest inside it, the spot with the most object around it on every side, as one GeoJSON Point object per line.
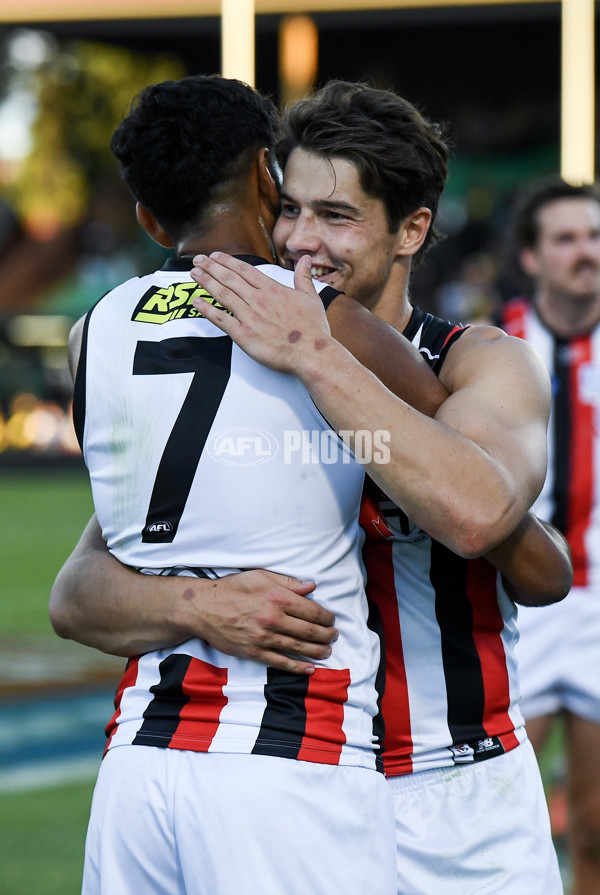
{"type": "Point", "coordinates": [468, 476]}
{"type": "Point", "coordinates": [535, 562]}
{"type": "Point", "coordinates": [258, 615]}
{"type": "Point", "coordinates": [384, 351]}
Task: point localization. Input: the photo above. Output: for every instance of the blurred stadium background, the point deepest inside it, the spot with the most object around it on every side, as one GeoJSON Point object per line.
{"type": "Point", "coordinates": [491, 71]}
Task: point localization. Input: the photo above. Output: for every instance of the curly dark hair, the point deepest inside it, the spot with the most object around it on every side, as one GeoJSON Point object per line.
{"type": "Point", "coordinates": [401, 157]}
{"type": "Point", "coordinates": [536, 196]}
{"type": "Point", "coordinates": [189, 143]}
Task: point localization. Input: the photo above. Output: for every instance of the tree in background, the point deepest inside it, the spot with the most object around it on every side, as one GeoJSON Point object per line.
{"type": "Point", "coordinates": [66, 192]}
{"type": "Point", "coordinates": [81, 90]}
{"type": "Point", "coordinates": [67, 224]}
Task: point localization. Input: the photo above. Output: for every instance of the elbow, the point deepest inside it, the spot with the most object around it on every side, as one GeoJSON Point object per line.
{"type": "Point", "coordinates": [537, 598]}
{"type": "Point", "coordinates": [59, 618]}
{"type": "Point", "coordinates": [476, 535]}
{"type": "Point", "coordinates": [473, 523]}
{"type": "Point", "coordinates": [471, 544]}
{"type": "Point", "coordinates": [63, 609]}
{"type": "Point", "coordinates": [563, 584]}
{"type": "Point", "coordinates": [544, 595]}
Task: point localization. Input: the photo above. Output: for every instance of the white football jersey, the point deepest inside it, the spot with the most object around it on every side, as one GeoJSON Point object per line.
{"type": "Point", "coordinates": [203, 462]}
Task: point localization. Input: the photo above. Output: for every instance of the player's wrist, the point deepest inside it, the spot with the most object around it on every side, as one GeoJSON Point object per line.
{"type": "Point", "coordinates": [321, 361]}
{"type": "Point", "coordinates": [185, 617]}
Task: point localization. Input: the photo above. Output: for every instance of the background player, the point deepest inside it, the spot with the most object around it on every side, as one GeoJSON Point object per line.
{"type": "Point", "coordinates": [557, 232]}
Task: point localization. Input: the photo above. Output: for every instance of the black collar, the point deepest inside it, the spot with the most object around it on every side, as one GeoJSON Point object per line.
{"type": "Point", "coordinates": [185, 262]}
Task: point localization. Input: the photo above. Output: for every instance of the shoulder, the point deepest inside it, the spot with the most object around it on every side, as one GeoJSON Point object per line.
{"type": "Point", "coordinates": [480, 337]}
{"type": "Point", "coordinates": [75, 340]}
{"type": "Point", "coordinates": [433, 336]}
{"type": "Point", "coordinates": [485, 352]}
{"type": "Point", "coordinates": [77, 334]}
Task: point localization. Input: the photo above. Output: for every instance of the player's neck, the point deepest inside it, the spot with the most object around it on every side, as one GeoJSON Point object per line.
{"type": "Point", "coordinates": [568, 317]}
{"type": "Point", "coordinates": [236, 234]}
{"type": "Point", "coordinates": [392, 304]}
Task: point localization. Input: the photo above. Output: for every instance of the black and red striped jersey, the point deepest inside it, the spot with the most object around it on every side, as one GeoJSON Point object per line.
{"type": "Point", "coordinates": [448, 628]}
{"type": "Point", "coordinates": [570, 498]}
{"type": "Point", "coordinates": [195, 698]}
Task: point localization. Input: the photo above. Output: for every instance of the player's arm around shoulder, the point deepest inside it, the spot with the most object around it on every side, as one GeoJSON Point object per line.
{"type": "Point", "coordinates": [384, 351]}
{"type": "Point", "coordinates": [459, 476]}
{"type": "Point", "coordinates": [500, 398]}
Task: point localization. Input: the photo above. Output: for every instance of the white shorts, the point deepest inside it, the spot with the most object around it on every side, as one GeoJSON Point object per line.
{"type": "Point", "coordinates": [171, 822]}
{"type": "Point", "coordinates": [559, 657]}
{"type": "Point", "coordinates": [478, 829]}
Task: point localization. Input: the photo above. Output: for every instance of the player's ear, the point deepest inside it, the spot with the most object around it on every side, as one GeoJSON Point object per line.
{"type": "Point", "coordinates": [269, 176]}
{"type": "Point", "coordinates": [154, 230]}
{"type": "Point", "coordinates": [529, 262]}
{"type": "Point", "coordinates": [413, 230]}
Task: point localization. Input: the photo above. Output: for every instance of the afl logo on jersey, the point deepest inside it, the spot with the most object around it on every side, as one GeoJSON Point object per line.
{"type": "Point", "coordinates": [159, 528]}
{"type": "Point", "coordinates": [242, 446]}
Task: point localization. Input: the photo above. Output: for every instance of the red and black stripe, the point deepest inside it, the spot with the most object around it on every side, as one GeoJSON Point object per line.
{"type": "Point", "coordinates": [186, 705]}
{"type": "Point", "coordinates": [573, 450]}
{"type": "Point", "coordinates": [381, 590]}
{"type": "Point", "coordinates": [163, 714]}
{"type": "Point", "coordinates": [473, 657]}
{"type": "Point", "coordinates": [303, 718]}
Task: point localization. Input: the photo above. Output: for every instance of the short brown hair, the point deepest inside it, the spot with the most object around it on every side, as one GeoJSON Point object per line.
{"type": "Point", "coordinates": [401, 157]}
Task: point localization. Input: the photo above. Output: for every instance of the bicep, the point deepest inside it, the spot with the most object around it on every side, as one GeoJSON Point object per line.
{"type": "Point", "coordinates": [500, 398]}
{"type": "Point", "coordinates": [92, 544]}
{"type": "Point", "coordinates": [91, 573]}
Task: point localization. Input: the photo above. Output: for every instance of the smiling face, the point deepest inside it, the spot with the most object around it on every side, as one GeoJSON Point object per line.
{"type": "Point", "coordinates": [326, 213]}
{"type": "Point", "coordinates": [566, 258]}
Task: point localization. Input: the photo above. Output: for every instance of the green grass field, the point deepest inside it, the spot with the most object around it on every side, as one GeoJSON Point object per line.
{"type": "Point", "coordinates": [43, 514]}
{"type": "Point", "coordinates": [42, 835]}
{"type": "Point", "coordinates": [42, 832]}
